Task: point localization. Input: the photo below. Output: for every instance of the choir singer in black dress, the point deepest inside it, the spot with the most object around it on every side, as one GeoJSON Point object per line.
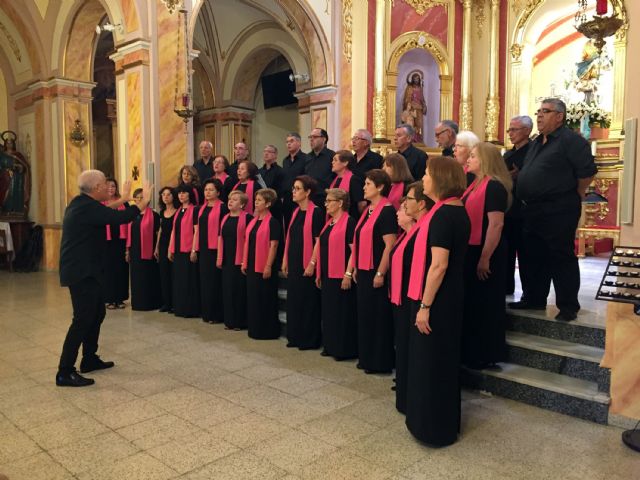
{"type": "Point", "coordinates": [486, 200]}
{"type": "Point", "coordinates": [230, 250]}
{"type": "Point", "coordinates": [334, 276]}
{"type": "Point", "coordinates": [220, 166]}
{"type": "Point", "coordinates": [188, 176]}
{"type": "Point", "coordinates": [260, 247]}
{"type": "Point", "coordinates": [168, 207]}
{"type": "Point", "coordinates": [116, 269]}
{"type": "Point", "coordinates": [342, 164]}
{"type": "Point", "coordinates": [207, 231]}
{"type": "Point", "coordinates": [247, 183]}
{"type": "Point", "coordinates": [298, 265]}
{"type": "Point", "coordinates": [375, 235]}
{"type": "Point", "coordinates": [433, 385]}
{"type": "Point", "coordinates": [396, 167]}
{"type": "Point", "coordinates": [186, 290]}
{"type": "Point", "coordinates": [141, 238]}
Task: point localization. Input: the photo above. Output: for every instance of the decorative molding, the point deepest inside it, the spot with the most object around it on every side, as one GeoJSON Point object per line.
{"type": "Point", "coordinates": [421, 6]}
{"type": "Point", "coordinates": [466, 114]}
{"type": "Point", "coordinates": [621, 11]}
{"type": "Point", "coordinates": [527, 10]}
{"type": "Point", "coordinates": [492, 118]}
{"type": "Point", "coordinates": [516, 51]}
{"type": "Point", "coordinates": [12, 43]}
{"type": "Point", "coordinates": [420, 40]}
{"type": "Point", "coordinates": [380, 115]}
{"type": "Point", "coordinates": [480, 16]}
{"type": "Point", "coordinates": [347, 24]}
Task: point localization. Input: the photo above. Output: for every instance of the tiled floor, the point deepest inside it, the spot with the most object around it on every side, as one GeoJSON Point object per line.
{"type": "Point", "coordinates": [192, 401]}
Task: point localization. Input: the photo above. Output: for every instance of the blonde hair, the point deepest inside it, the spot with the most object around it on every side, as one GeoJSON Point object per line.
{"type": "Point", "coordinates": [269, 195]}
{"type": "Point", "coordinates": [340, 195]}
{"type": "Point", "coordinates": [492, 164]}
{"type": "Point", "coordinates": [239, 193]}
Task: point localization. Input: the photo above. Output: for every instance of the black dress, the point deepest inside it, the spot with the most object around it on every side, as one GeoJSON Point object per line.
{"type": "Point", "coordinates": [227, 186]}
{"type": "Point", "coordinates": [433, 383]}
{"type": "Point", "coordinates": [483, 332]}
{"type": "Point", "coordinates": [338, 306]}
{"type": "Point", "coordinates": [356, 194]}
{"type": "Point", "coordinates": [165, 266]}
{"type": "Point", "coordinates": [145, 282]}
{"type": "Point", "coordinates": [242, 187]}
{"type": "Point", "coordinates": [234, 283]}
{"type": "Point", "coordinates": [262, 295]}
{"type": "Point", "coordinates": [186, 289]}
{"type": "Point", "coordinates": [210, 275]}
{"type": "Point", "coordinates": [375, 322]}
{"type": "Point", "coordinates": [303, 297]}
{"type": "Point", "coordinates": [116, 269]}
{"type": "Point", "coordinates": [402, 322]}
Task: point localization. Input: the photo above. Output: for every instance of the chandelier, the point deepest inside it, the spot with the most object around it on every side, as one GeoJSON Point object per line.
{"type": "Point", "coordinates": [183, 101]}
{"type": "Point", "coordinates": [600, 26]}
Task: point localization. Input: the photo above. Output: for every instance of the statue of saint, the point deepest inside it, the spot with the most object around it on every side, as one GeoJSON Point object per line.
{"type": "Point", "coordinates": [15, 179]}
{"type": "Point", "coordinates": [414, 106]}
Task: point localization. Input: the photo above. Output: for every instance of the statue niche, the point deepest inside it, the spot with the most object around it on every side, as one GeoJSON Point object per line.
{"type": "Point", "coordinates": [414, 108]}
{"type": "Point", "coordinates": [15, 180]}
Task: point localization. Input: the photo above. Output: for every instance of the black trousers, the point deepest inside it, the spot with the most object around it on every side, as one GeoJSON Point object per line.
{"type": "Point", "coordinates": [513, 236]}
{"type": "Point", "coordinates": [88, 314]}
{"type": "Point", "coordinates": [549, 232]}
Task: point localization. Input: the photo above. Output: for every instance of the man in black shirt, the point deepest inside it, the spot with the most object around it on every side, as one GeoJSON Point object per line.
{"type": "Point", "coordinates": [81, 263]}
{"type": "Point", "coordinates": [204, 166]}
{"type": "Point", "coordinates": [446, 132]}
{"type": "Point", "coordinates": [519, 131]}
{"type": "Point", "coordinates": [557, 170]}
{"type": "Point", "coordinates": [272, 175]}
{"type": "Point", "coordinates": [319, 166]}
{"type": "Point", "coordinates": [416, 158]}
{"type": "Point", "coordinates": [240, 153]}
{"type": "Point", "coordinates": [365, 158]}
{"type": "Point", "coordinates": [293, 165]}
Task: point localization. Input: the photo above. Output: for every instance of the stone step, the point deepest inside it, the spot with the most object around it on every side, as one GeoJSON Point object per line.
{"type": "Point", "coordinates": [542, 323]}
{"type": "Point", "coordinates": [552, 391]}
{"type": "Point", "coordinates": [558, 356]}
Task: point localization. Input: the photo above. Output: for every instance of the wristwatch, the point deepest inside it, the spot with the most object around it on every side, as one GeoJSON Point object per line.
{"type": "Point", "coordinates": [424, 306]}
{"type": "Point", "coordinates": [379, 274]}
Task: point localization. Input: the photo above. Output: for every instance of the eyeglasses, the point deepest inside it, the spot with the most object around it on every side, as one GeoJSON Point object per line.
{"type": "Point", "coordinates": [545, 111]}
{"type": "Point", "coordinates": [459, 145]}
{"type": "Point", "coordinates": [314, 136]}
{"type": "Point", "coordinates": [353, 139]}
{"type": "Point", "coordinates": [296, 188]}
{"type": "Point", "coordinates": [514, 129]}
{"type": "Point", "coordinates": [440, 132]}
{"type": "Point", "coordinates": [329, 200]}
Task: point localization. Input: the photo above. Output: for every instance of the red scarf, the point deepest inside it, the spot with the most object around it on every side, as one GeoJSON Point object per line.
{"type": "Point", "coordinates": [124, 229]}
{"type": "Point", "coordinates": [345, 181]}
{"type": "Point", "coordinates": [249, 192]}
{"type": "Point", "coordinates": [213, 223]}
{"type": "Point", "coordinates": [364, 248]}
{"type": "Point", "coordinates": [196, 195]}
{"type": "Point", "coordinates": [419, 260]}
{"type": "Point", "coordinates": [262, 243]}
{"type": "Point", "coordinates": [396, 193]}
{"type": "Point", "coordinates": [240, 235]}
{"type": "Point", "coordinates": [337, 245]}
{"type": "Point", "coordinates": [186, 231]}
{"type": "Point", "coordinates": [307, 235]}
{"type": "Point", "coordinates": [474, 201]}
{"type": "Point", "coordinates": [397, 263]}
{"type": "Point", "coordinates": [146, 235]}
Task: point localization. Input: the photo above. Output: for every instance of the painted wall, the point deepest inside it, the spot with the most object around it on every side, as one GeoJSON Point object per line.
{"type": "Point", "coordinates": [271, 127]}
{"type": "Point", "coordinates": [4, 102]}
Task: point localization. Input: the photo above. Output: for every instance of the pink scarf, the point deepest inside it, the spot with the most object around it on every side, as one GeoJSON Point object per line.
{"type": "Point", "coordinates": [345, 181]}
{"type": "Point", "coordinates": [397, 263]}
{"type": "Point", "coordinates": [262, 243]}
{"type": "Point", "coordinates": [419, 260]}
{"type": "Point", "coordinates": [364, 247]}
{"type": "Point", "coordinates": [146, 235]}
{"type": "Point", "coordinates": [307, 235]}
{"type": "Point", "coordinates": [213, 222]}
{"type": "Point", "coordinates": [337, 240]}
{"type": "Point", "coordinates": [124, 229]}
{"type": "Point", "coordinates": [249, 192]}
{"type": "Point", "coordinates": [222, 177]}
{"type": "Point", "coordinates": [474, 201]}
{"type": "Point", "coordinates": [196, 195]}
{"type": "Point", "coordinates": [396, 193]}
{"type": "Point", "coordinates": [186, 231]}
{"type": "Point", "coordinates": [240, 235]}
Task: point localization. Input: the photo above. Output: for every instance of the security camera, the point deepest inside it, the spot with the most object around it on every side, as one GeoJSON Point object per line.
{"type": "Point", "coordinates": [107, 27]}
{"type": "Point", "coordinates": [299, 76]}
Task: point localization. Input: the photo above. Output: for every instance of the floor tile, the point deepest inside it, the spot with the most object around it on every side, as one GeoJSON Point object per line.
{"type": "Point", "coordinates": [338, 429]}
{"type": "Point", "coordinates": [65, 431]}
{"type": "Point", "coordinates": [128, 413]}
{"type": "Point", "coordinates": [36, 467]}
{"type": "Point", "coordinates": [249, 429]}
{"type": "Point", "coordinates": [136, 467]}
{"type": "Point", "coordinates": [14, 444]}
{"type": "Point", "coordinates": [343, 466]}
{"type": "Point", "coordinates": [297, 383]}
{"type": "Point", "coordinates": [158, 431]}
{"type": "Point", "coordinates": [238, 466]}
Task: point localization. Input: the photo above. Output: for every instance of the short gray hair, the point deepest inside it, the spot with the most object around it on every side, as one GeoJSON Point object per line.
{"type": "Point", "coordinates": [409, 130]}
{"type": "Point", "coordinates": [273, 147]}
{"type": "Point", "coordinates": [295, 135]}
{"type": "Point", "coordinates": [89, 179]}
{"type": "Point", "coordinates": [451, 125]}
{"type": "Point", "coordinates": [366, 134]}
{"type": "Point", "coordinates": [558, 104]}
{"type": "Point", "coordinates": [467, 138]}
{"type": "Point", "coordinates": [525, 120]}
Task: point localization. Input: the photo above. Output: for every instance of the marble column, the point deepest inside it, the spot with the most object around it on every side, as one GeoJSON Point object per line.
{"type": "Point", "coordinates": [315, 107]}
{"type": "Point", "coordinates": [492, 106]}
{"type": "Point", "coordinates": [466, 102]}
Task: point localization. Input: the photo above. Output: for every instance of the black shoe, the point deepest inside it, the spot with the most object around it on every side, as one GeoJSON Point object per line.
{"type": "Point", "coordinates": [164, 308]}
{"type": "Point", "coordinates": [94, 364]}
{"type": "Point", "coordinates": [170, 311]}
{"type": "Point", "coordinates": [566, 316]}
{"type": "Point", "coordinates": [359, 367]}
{"type": "Point", "coordinates": [522, 305]}
{"type": "Point", "coordinates": [324, 353]}
{"type": "Point", "coordinates": [73, 379]}
{"type": "Point", "coordinates": [393, 387]}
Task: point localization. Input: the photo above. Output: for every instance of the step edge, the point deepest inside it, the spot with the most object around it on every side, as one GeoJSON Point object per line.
{"type": "Point", "coordinates": [594, 358]}
{"type": "Point", "coordinates": [536, 315]}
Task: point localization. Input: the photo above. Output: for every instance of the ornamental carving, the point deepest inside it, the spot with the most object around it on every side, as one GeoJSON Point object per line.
{"type": "Point", "coordinates": [621, 12]}
{"type": "Point", "coordinates": [480, 16]}
{"type": "Point", "coordinates": [347, 26]}
{"type": "Point", "coordinates": [492, 118]}
{"type": "Point", "coordinates": [527, 9]}
{"type": "Point", "coordinates": [12, 43]}
{"type": "Point", "coordinates": [516, 51]}
{"type": "Point", "coordinates": [466, 114]}
{"type": "Point", "coordinates": [380, 114]}
{"type": "Point", "coordinates": [421, 6]}
{"type": "Point", "coordinates": [420, 41]}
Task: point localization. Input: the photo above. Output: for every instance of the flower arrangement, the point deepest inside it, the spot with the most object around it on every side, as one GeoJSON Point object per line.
{"type": "Point", "coordinates": [597, 116]}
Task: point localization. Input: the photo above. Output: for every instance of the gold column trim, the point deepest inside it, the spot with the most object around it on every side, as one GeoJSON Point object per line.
{"type": "Point", "coordinates": [421, 6]}
{"type": "Point", "coordinates": [527, 10]}
{"type": "Point", "coordinates": [480, 16]}
{"type": "Point", "coordinates": [380, 115]}
{"type": "Point", "coordinates": [466, 102]}
{"type": "Point", "coordinates": [379, 101]}
{"type": "Point", "coordinates": [347, 28]}
{"type": "Point", "coordinates": [492, 116]}
{"type": "Point", "coordinates": [516, 51]}
{"type": "Point", "coordinates": [492, 119]}
{"type": "Point", "coordinates": [420, 40]}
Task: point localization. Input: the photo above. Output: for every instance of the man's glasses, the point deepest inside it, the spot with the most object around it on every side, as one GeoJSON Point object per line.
{"type": "Point", "coordinates": [545, 111]}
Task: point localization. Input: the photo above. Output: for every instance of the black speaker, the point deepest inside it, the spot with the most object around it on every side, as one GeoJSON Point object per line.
{"type": "Point", "coordinates": [277, 90]}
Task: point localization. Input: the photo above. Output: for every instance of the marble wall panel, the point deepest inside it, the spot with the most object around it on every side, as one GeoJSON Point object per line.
{"type": "Point", "coordinates": [134, 125]}
{"type": "Point", "coordinates": [319, 118]}
{"type": "Point", "coordinates": [130, 15]}
{"type": "Point", "coordinates": [51, 242]}
{"type": "Point", "coordinates": [405, 19]}
{"type": "Point", "coordinates": [76, 158]}
{"type": "Point", "coordinates": [79, 52]}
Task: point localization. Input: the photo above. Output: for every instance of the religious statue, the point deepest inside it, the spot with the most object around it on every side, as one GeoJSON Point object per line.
{"type": "Point", "coordinates": [414, 106]}
{"type": "Point", "coordinates": [588, 71]}
{"type": "Point", "coordinates": [15, 180]}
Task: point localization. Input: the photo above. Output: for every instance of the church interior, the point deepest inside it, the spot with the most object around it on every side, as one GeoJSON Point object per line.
{"type": "Point", "coordinates": [131, 88]}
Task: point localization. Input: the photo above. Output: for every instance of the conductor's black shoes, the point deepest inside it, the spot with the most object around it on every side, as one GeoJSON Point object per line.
{"type": "Point", "coordinates": [93, 364]}
{"type": "Point", "coordinates": [73, 379]}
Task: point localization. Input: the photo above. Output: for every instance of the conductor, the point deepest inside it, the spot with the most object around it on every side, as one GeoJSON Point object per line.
{"type": "Point", "coordinates": [81, 263]}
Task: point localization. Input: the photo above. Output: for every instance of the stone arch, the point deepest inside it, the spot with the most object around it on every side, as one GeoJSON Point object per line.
{"type": "Point", "coordinates": [409, 41]}
{"type": "Point", "coordinates": [21, 48]}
